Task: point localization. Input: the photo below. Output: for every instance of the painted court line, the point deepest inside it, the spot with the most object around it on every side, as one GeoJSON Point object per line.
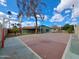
{"type": "Point", "coordinates": [29, 49]}
{"type": "Point", "coordinates": [4, 56]}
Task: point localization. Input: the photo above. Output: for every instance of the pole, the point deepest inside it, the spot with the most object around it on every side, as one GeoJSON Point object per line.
{"type": "Point", "coordinates": [75, 28]}
{"type": "Point", "coordinates": [9, 24]}
{"type": "Point", "coordinates": [3, 37]}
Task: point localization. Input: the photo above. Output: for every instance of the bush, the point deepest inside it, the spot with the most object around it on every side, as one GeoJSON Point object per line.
{"type": "Point", "coordinates": [15, 30]}
{"type": "Point", "coordinates": [68, 28]}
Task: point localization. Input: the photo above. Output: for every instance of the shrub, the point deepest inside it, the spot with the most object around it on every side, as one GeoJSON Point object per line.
{"type": "Point", "coordinates": [69, 28]}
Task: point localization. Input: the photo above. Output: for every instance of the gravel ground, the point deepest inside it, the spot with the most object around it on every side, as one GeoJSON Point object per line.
{"type": "Point", "coordinates": [48, 45]}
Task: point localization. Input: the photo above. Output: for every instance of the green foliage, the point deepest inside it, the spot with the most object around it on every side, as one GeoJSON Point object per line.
{"type": "Point", "coordinates": [15, 29]}
{"type": "Point", "coordinates": [68, 28]}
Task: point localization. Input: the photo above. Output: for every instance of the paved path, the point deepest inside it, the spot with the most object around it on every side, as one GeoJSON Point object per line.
{"type": "Point", "coordinates": [14, 49]}
{"type": "Point", "coordinates": [72, 51]}
{"type": "Point", "coordinates": [48, 45]}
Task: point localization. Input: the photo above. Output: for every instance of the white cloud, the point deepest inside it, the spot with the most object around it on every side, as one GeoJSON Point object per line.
{"type": "Point", "coordinates": [14, 13]}
{"type": "Point", "coordinates": [74, 23]}
{"type": "Point", "coordinates": [12, 19]}
{"type": "Point", "coordinates": [29, 23]}
{"type": "Point", "coordinates": [75, 12]}
{"type": "Point", "coordinates": [6, 25]}
{"type": "Point", "coordinates": [67, 11]}
{"type": "Point", "coordinates": [57, 18]}
{"type": "Point", "coordinates": [67, 22]}
{"type": "Point", "coordinates": [2, 14]}
{"type": "Point", "coordinates": [45, 17]}
{"type": "Point", "coordinates": [55, 8]}
{"type": "Point", "coordinates": [3, 2]}
{"type": "Point", "coordinates": [11, 22]}
{"type": "Point", "coordinates": [38, 16]}
{"type": "Point", "coordinates": [64, 4]}
{"type": "Point", "coordinates": [74, 19]}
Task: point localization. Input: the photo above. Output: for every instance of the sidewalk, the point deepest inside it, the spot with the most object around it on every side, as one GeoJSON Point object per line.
{"type": "Point", "coordinates": [14, 49]}
{"type": "Point", "coordinates": [72, 49]}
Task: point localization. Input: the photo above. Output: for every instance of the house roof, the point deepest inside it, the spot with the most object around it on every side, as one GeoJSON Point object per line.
{"type": "Point", "coordinates": [29, 27]}
{"type": "Point", "coordinates": [33, 27]}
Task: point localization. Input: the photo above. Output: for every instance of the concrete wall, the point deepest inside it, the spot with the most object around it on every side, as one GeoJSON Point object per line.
{"type": "Point", "coordinates": [77, 30]}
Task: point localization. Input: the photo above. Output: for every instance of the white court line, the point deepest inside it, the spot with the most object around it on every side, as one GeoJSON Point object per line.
{"type": "Point", "coordinates": [29, 48]}
{"type": "Point", "coordinates": [4, 56]}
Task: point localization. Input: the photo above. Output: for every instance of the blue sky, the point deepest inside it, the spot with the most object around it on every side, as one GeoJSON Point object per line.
{"type": "Point", "coordinates": [48, 12]}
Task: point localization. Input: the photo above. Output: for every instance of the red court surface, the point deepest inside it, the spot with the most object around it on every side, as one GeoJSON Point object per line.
{"type": "Point", "coordinates": [48, 45]}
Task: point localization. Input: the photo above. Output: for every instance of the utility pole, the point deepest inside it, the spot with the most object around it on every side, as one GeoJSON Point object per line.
{"type": "Point", "coordinates": [74, 18]}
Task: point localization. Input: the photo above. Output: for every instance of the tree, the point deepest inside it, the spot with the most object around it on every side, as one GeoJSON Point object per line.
{"type": "Point", "coordinates": [31, 8]}
{"type": "Point", "coordinates": [68, 28]}
{"type": "Point", "coordinates": [15, 28]}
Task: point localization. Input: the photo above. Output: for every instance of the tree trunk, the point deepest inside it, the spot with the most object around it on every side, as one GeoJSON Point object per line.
{"type": "Point", "coordinates": [36, 27]}
{"type": "Point", "coordinates": [20, 29]}
{"type": "Point", "coordinates": [36, 24]}
{"type": "Point", "coordinates": [20, 26]}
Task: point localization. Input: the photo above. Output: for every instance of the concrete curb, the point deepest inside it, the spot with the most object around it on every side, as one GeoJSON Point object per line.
{"type": "Point", "coordinates": [30, 49]}
{"type": "Point", "coordinates": [67, 47]}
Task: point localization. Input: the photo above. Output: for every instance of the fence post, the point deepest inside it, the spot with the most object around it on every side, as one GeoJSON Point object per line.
{"type": "Point", "coordinates": [3, 36]}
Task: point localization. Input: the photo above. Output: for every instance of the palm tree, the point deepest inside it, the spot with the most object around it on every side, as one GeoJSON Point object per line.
{"type": "Point", "coordinates": [31, 8]}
